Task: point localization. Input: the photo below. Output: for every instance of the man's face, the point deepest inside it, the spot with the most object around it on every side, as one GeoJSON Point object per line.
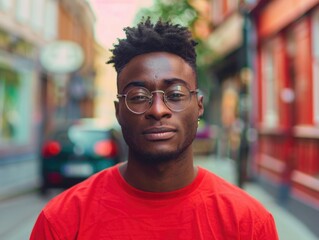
{"type": "Point", "coordinates": [159, 133]}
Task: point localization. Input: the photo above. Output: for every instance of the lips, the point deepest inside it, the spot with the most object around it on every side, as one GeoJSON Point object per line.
{"type": "Point", "coordinates": [159, 133]}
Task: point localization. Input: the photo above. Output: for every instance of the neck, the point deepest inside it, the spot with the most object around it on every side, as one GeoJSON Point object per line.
{"type": "Point", "coordinates": [160, 177]}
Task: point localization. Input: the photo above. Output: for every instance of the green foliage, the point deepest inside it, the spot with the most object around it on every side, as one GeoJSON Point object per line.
{"type": "Point", "coordinates": [177, 11]}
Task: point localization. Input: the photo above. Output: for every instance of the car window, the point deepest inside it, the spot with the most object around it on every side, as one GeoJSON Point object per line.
{"type": "Point", "coordinates": [61, 136]}
{"type": "Point", "coordinates": [82, 136]}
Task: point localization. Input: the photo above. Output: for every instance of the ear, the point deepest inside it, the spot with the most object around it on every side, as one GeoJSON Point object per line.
{"type": "Point", "coordinates": [116, 106]}
{"type": "Point", "coordinates": [200, 103]}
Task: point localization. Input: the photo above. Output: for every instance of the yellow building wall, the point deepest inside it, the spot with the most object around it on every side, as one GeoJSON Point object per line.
{"type": "Point", "coordinates": [105, 86]}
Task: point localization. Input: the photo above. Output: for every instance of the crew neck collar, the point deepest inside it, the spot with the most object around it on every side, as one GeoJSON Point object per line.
{"type": "Point", "coordinates": [157, 196]}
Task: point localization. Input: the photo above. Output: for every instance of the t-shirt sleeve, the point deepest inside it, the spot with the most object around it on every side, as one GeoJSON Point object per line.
{"type": "Point", "coordinates": [43, 229]}
{"type": "Point", "coordinates": [267, 229]}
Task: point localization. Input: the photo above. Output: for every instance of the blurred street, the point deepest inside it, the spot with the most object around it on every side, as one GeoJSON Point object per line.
{"type": "Point", "coordinates": [258, 71]}
{"type": "Point", "coordinates": [19, 214]}
{"type": "Point", "coordinates": [289, 227]}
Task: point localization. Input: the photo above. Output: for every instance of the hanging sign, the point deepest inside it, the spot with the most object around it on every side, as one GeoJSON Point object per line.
{"type": "Point", "coordinates": [62, 57]}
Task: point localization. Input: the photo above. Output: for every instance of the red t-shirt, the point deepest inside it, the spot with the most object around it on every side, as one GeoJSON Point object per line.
{"type": "Point", "coordinates": [106, 207]}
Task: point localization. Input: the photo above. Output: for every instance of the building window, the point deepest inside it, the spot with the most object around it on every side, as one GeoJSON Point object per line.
{"type": "Point", "coordinates": [269, 87]}
{"type": "Point", "coordinates": [37, 14]}
{"type": "Point", "coordinates": [6, 5]}
{"type": "Point", "coordinates": [17, 81]}
{"type": "Point", "coordinates": [9, 105]}
{"type": "Point", "coordinates": [51, 20]}
{"type": "Point", "coordinates": [22, 10]}
{"type": "Point", "coordinates": [315, 60]}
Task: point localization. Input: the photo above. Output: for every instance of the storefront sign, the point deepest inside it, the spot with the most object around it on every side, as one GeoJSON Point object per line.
{"type": "Point", "coordinates": [62, 57]}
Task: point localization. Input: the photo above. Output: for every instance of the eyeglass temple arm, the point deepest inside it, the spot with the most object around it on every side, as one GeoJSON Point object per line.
{"type": "Point", "coordinates": [121, 95]}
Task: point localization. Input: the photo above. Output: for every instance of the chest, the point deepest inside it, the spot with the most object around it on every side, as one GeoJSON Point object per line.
{"type": "Point", "coordinates": [186, 219]}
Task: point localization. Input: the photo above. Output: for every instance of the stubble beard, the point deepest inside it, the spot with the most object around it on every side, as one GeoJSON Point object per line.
{"type": "Point", "coordinates": [155, 158]}
{"type": "Point", "coordinates": [159, 157]}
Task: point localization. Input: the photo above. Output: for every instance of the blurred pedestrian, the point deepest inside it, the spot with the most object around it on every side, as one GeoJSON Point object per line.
{"type": "Point", "coordinates": [158, 193]}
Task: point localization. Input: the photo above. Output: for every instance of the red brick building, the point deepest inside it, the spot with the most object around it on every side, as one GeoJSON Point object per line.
{"type": "Point", "coordinates": [277, 41]}
{"type": "Point", "coordinates": [288, 96]}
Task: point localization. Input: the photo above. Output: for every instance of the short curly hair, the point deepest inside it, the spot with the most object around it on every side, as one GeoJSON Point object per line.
{"type": "Point", "coordinates": [147, 37]}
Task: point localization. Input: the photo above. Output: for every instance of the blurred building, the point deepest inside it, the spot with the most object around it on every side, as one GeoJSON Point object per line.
{"type": "Point", "coordinates": [105, 86]}
{"type": "Point", "coordinates": [264, 61]}
{"type": "Point", "coordinates": [69, 95]}
{"type": "Point", "coordinates": [33, 99]}
{"type": "Point", "coordinates": [231, 44]}
{"type": "Point", "coordinates": [287, 87]}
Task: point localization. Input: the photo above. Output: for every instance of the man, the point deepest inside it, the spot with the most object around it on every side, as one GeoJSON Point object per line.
{"type": "Point", "coordinates": [158, 193]}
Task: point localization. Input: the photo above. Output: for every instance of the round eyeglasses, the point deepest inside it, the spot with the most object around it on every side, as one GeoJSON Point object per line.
{"type": "Point", "coordinates": [139, 99]}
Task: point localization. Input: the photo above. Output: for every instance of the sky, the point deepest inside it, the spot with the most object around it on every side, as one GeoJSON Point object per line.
{"type": "Point", "coordinates": [112, 16]}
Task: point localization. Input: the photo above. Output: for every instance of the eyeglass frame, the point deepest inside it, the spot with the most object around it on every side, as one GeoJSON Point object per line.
{"type": "Point", "coordinates": [164, 99]}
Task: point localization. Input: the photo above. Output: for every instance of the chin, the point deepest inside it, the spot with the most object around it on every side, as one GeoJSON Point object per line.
{"type": "Point", "coordinates": [158, 156]}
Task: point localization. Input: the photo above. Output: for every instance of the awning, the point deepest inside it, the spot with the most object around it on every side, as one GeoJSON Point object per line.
{"type": "Point", "coordinates": [227, 37]}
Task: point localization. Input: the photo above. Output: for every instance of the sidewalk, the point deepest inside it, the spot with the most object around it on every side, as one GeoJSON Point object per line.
{"type": "Point", "coordinates": [289, 227]}
{"type": "Point", "coordinates": [18, 177]}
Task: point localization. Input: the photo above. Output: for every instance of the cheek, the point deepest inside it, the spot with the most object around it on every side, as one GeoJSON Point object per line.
{"type": "Point", "coordinates": [128, 122]}
{"type": "Point", "coordinates": [190, 123]}
{"type": "Point", "coordinates": [129, 128]}
{"type": "Point", "coordinates": [190, 120]}
{"type": "Point", "coordinates": [123, 116]}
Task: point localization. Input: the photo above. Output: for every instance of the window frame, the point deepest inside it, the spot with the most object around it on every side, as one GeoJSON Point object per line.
{"type": "Point", "coordinates": [269, 87]}
{"type": "Point", "coordinates": [315, 65]}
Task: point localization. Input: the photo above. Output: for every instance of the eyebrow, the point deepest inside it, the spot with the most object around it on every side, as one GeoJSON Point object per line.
{"type": "Point", "coordinates": [135, 84]}
{"type": "Point", "coordinates": [169, 81]}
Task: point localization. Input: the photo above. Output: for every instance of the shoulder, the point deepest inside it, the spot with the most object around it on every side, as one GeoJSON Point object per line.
{"type": "Point", "coordinates": [65, 211]}
{"type": "Point", "coordinates": [80, 193]}
{"type": "Point", "coordinates": [230, 197]}
{"type": "Point", "coordinates": [233, 206]}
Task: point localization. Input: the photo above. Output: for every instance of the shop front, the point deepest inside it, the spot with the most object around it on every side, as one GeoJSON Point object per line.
{"type": "Point", "coordinates": [19, 113]}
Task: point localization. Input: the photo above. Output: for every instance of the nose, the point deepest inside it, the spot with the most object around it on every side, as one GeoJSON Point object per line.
{"type": "Point", "coordinates": [158, 108]}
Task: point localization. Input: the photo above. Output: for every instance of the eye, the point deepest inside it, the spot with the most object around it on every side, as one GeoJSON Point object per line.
{"type": "Point", "coordinates": [175, 95]}
{"type": "Point", "coordinates": [137, 97]}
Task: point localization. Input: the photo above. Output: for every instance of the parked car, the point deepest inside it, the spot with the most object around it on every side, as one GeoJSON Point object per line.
{"type": "Point", "coordinates": [74, 152]}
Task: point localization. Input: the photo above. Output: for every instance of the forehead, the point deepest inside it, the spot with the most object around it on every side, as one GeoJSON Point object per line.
{"type": "Point", "coordinates": [156, 69]}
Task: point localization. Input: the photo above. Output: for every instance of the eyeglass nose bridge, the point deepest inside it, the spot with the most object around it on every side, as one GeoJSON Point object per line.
{"type": "Point", "coordinates": [152, 97]}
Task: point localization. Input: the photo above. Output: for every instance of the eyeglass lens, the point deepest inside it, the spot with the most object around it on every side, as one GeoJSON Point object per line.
{"type": "Point", "coordinates": [176, 98]}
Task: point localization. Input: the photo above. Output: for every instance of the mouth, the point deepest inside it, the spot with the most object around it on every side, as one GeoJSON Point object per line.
{"type": "Point", "coordinates": [159, 133]}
